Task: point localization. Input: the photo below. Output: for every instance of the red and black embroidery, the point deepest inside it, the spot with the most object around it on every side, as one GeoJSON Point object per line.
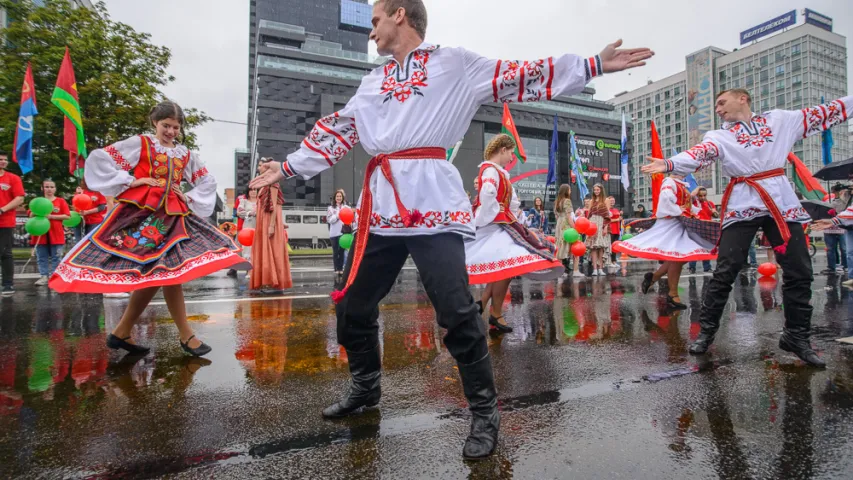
{"type": "Point", "coordinates": [332, 137]}
{"type": "Point", "coordinates": [118, 158]}
{"type": "Point", "coordinates": [430, 219]}
{"type": "Point", "coordinates": [823, 117]}
{"type": "Point", "coordinates": [756, 134]}
{"type": "Point", "coordinates": [705, 153]}
{"type": "Point", "coordinates": [202, 172]}
{"type": "Point", "coordinates": [516, 81]}
{"type": "Point", "coordinates": [400, 84]}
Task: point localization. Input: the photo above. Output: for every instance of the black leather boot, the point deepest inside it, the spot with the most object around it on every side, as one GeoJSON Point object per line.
{"type": "Point", "coordinates": [709, 329]}
{"type": "Point", "coordinates": [478, 382]}
{"type": "Point", "coordinates": [365, 391]}
{"type": "Point", "coordinates": [797, 342]}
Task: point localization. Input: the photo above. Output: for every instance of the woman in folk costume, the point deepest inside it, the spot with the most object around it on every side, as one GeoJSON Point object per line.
{"type": "Point", "coordinates": [599, 215]}
{"type": "Point", "coordinates": [271, 265]}
{"type": "Point", "coordinates": [674, 235]}
{"type": "Point", "coordinates": [156, 236]}
{"type": "Point", "coordinates": [502, 248]}
{"type": "Point", "coordinates": [564, 212]}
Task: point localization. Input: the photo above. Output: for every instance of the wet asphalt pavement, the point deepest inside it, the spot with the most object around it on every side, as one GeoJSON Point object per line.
{"type": "Point", "coordinates": [595, 382]}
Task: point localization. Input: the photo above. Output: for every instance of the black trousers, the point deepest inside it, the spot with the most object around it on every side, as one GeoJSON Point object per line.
{"type": "Point", "coordinates": [7, 261]}
{"type": "Point", "coordinates": [796, 279]}
{"type": "Point", "coordinates": [337, 254]}
{"type": "Point", "coordinates": [441, 263]}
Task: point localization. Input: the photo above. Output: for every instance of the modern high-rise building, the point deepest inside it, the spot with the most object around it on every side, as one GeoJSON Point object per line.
{"type": "Point", "coordinates": [306, 60]}
{"type": "Point", "coordinates": [790, 70]}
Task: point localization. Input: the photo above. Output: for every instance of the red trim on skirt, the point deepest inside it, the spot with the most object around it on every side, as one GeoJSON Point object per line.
{"type": "Point", "coordinates": [628, 249]}
{"type": "Point", "coordinates": [481, 278]}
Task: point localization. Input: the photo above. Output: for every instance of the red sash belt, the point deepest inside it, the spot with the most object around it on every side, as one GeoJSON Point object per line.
{"type": "Point", "coordinates": [752, 181]}
{"type": "Point", "coordinates": [365, 210]}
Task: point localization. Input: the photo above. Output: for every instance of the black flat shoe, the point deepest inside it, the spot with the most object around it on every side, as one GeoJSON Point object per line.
{"type": "Point", "coordinates": [677, 305]}
{"type": "Point", "coordinates": [648, 278]}
{"type": "Point", "coordinates": [116, 343]}
{"type": "Point", "coordinates": [495, 325]}
{"type": "Point", "coordinates": [199, 351]}
{"type": "Point", "coordinates": [479, 306]}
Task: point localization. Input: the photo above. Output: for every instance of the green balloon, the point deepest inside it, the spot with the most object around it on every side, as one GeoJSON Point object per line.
{"type": "Point", "coordinates": [73, 221]}
{"type": "Point", "coordinates": [627, 236]}
{"type": "Point", "coordinates": [41, 207]}
{"type": "Point", "coordinates": [37, 226]}
{"type": "Point", "coordinates": [571, 236]}
{"type": "Point", "coordinates": [345, 241]}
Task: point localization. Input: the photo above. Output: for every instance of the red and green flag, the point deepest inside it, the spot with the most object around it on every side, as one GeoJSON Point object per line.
{"type": "Point", "coordinates": [806, 184]}
{"type": "Point", "coordinates": [67, 100]}
{"type": "Point", "coordinates": [657, 178]}
{"type": "Point", "coordinates": [508, 127]}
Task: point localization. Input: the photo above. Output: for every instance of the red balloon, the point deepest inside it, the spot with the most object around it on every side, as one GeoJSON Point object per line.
{"type": "Point", "coordinates": [346, 215]}
{"type": "Point", "coordinates": [82, 202]}
{"type": "Point", "coordinates": [246, 237]}
{"type": "Point", "coordinates": [592, 229]}
{"type": "Point", "coordinates": [578, 248]}
{"type": "Point", "coordinates": [767, 269]}
{"type": "Point", "coordinates": [551, 239]}
{"type": "Point", "coordinates": [581, 225]}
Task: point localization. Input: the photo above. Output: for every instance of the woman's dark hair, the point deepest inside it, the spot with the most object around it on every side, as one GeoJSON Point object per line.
{"type": "Point", "coordinates": [343, 194]}
{"type": "Point", "coordinates": [167, 109]}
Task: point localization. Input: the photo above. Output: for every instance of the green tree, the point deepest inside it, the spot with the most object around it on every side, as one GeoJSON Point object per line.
{"type": "Point", "coordinates": [119, 74]}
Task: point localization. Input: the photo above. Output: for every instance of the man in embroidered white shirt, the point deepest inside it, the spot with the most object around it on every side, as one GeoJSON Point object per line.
{"type": "Point", "coordinates": [406, 113]}
{"type": "Point", "coordinates": [754, 150]}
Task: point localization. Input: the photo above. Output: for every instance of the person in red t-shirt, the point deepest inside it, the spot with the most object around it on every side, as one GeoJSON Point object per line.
{"type": "Point", "coordinates": [50, 246]}
{"type": "Point", "coordinates": [95, 215]}
{"type": "Point", "coordinates": [615, 224]}
{"type": "Point", "coordinates": [11, 197]}
{"type": "Point", "coordinates": [708, 212]}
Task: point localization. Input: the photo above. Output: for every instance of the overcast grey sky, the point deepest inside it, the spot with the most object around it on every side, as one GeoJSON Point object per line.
{"type": "Point", "coordinates": [209, 40]}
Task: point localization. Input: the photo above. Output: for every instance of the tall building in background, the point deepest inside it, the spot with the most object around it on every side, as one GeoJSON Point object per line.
{"type": "Point", "coordinates": [306, 60]}
{"type": "Point", "coordinates": [789, 70]}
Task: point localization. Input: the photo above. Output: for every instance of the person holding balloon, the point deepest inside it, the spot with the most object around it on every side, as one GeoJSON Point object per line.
{"type": "Point", "coordinates": [674, 235]}
{"type": "Point", "coordinates": [597, 236]}
{"type": "Point", "coordinates": [96, 211]}
{"type": "Point", "coordinates": [270, 262]}
{"type": "Point", "coordinates": [336, 229]}
{"type": "Point", "coordinates": [11, 197]}
{"type": "Point", "coordinates": [51, 244]}
{"type": "Point", "coordinates": [247, 211]}
{"type": "Point", "coordinates": [502, 248]}
{"type": "Point", "coordinates": [565, 220]}
{"type": "Point", "coordinates": [156, 236]}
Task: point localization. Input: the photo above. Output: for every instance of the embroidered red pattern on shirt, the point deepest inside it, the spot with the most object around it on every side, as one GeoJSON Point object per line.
{"type": "Point", "coordinates": [430, 219]}
{"type": "Point", "coordinates": [792, 214]}
{"type": "Point", "coordinates": [763, 134]}
{"type": "Point", "coordinates": [198, 174]}
{"type": "Point", "coordinates": [332, 137]}
{"type": "Point", "coordinates": [704, 153]}
{"type": "Point", "coordinates": [822, 117]}
{"type": "Point", "coordinates": [118, 158]}
{"type": "Point", "coordinates": [402, 89]}
{"type": "Point", "coordinates": [516, 81]}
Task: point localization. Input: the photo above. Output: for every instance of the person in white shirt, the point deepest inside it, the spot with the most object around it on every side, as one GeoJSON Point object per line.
{"type": "Point", "coordinates": [336, 229]}
{"type": "Point", "coordinates": [754, 149]}
{"type": "Point", "coordinates": [406, 113]}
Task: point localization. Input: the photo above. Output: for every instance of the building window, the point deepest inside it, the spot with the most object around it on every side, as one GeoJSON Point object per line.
{"type": "Point", "coordinates": [631, 107]}
{"type": "Point", "coordinates": [780, 101]}
{"type": "Point", "coordinates": [648, 124]}
{"type": "Point", "coordinates": [648, 112]}
{"type": "Point", "coordinates": [798, 95]}
{"type": "Point", "coordinates": [780, 85]}
{"type": "Point", "coordinates": [666, 95]}
{"type": "Point", "coordinates": [657, 108]}
{"type": "Point", "coordinates": [639, 114]}
{"type": "Point", "coordinates": [677, 116]}
{"type": "Point", "coordinates": [668, 130]}
{"type": "Point", "coordinates": [749, 80]}
{"type": "Point", "coordinates": [735, 71]}
{"type": "Point", "coordinates": [764, 75]}
{"type": "Point", "coordinates": [796, 80]}
{"type": "Point", "coordinates": [677, 127]}
{"type": "Point", "coordinates": [780, 70]}
{"type": "Point", "coordinates": [722, 76]}
{"type": "Point", "coordinates": [657, 98]}
{"type": "Point", "coordinates": [736, 83]}
{"type": "Point", "coordinates": [748, 67]}
{"type": "Point", "coordinates": [780, 55]}
{"type": "Point", "coordinates": [765, 105]}
{"type": "Point", "coordinates": [764, 60]}
{"type": "Point", "coordinates": [668, 106]}
{"type": "Point", "coordinates": [677, 137]}
{"type": "Point", "coordinates": [795, 65]}
{"type": "Point", "coordinates": [677, 91]}
{"type": "Point", "coordinates": [765, 90]}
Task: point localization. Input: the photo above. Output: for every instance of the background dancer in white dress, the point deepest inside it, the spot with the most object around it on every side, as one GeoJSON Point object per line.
{"type": "Point", "coordinates": [670, 238]}
{"type": "Point", "coordinates": [406, 113]}
{"type": "Point", "coordinates": [754, 150]}
{"type": "Point", "coordinates": [503, 248]}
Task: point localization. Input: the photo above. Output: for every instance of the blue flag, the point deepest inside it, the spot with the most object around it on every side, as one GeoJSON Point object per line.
{"type": "Point", "coordinates": [826, 144]}
{"type": "Point", "coordinates": [583, 190]}
{"type": "Point", "coordinates": [23, 153]}
{"type": "Point", "coordinates": [626, 180]}
{"type": "Point", "coordinates": [552, 158]}
{"type": "Point", "coordinates": [690, 179]}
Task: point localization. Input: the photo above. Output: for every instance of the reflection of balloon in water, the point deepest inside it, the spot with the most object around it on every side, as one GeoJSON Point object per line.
{"type": "Point", "coordinates": [41, 207]}
{"type": "Point", "coordinates": [41, 362]}
{"type": "Point", "coordinates": [767, 283]}
{"type": "Point", "coordinates": [570, 323]}
{"type": "Point", "coordinates": [37, 226]}
{"type": "Point", "coordinates": [571, 236]}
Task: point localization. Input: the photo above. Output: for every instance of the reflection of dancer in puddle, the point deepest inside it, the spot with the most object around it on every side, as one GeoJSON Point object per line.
{"type": "Point", "coordinates": [503, 248]}
{"type": "Point", "coordinates": [151, 239]}
{"type": "Point", "coordinates": [673, 236]}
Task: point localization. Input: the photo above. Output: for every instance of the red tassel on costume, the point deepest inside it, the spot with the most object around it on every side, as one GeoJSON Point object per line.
{"type": "Point", "coordinates": [832, 212]}
{"type": "Point", "coordinates": [416, 217]}
{"type": "Point", "coordinates": [338, 295]}
{"type": "Point", "coordinates": [781, 249]}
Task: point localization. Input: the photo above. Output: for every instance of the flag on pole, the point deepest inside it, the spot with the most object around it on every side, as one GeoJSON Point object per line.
{"type": "Point", "coordinates": [826, 144]}
{"type": "Point", "coordinates": [657, 178]}
{"type": "Point", "coordinates": [583, 190]}
{"type": "Point", "coordinates": [452, 151]}
{"type": "Point", "coordinates": [690, 180]}
{"type": "Point", "coordinates": [67, 100]}
{"type": "Point", "coordinates": [23, 152]}
{"type": "Point", "coordinates": [552, 158]}
{"type": "Point", "coordinates": [508, 127]}
{"type": "Point", "coordinates": [806, 184]}
{"type": "Point", "coordinates": [626, 180]}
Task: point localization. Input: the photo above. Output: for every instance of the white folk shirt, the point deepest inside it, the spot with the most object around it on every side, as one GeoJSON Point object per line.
{"type": "Point", "coordinates": [668, 205]}
{"type": "Point", "coordinates": [110, 171]}
{"type": "Point", "coordinates": [489, 205]}
{"type": "Point", "coordinates": [429, 101]}
{"type": "Point", "coordinates": [757, 146]}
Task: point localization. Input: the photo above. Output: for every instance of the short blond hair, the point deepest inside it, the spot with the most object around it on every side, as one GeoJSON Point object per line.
{"type": "Point", "coordinates": [496, 144]}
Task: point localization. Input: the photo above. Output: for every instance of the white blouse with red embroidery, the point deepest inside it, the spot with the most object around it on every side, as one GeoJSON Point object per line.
{"type": "Point", "coordinates": [429, 101]}
{"type": "Point", "coordinates": [757, 146]}
{"type": "Point", "coordinates": [489, 205]}
{"type": "Point", "coordinates": [110, 171]}
{"type": "Point", "coordinates": [668, 204]}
